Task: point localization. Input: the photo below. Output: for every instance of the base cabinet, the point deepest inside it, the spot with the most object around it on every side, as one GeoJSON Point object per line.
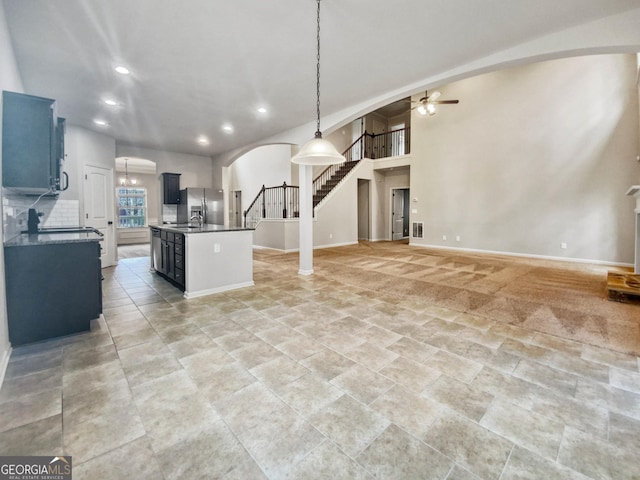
{"type": "Point", "coordinates": [52, 290]}
{"type": "Point", "coordinates": [172, 257]}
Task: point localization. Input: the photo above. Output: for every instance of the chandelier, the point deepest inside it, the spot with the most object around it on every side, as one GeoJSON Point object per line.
{"type": "Point", "coordinates": [125, 181]}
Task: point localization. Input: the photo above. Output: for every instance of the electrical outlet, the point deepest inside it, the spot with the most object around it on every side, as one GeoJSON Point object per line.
{"type": "Point", "coordinates": [216, 248]}
{"type": "Point", "coordinates": [444, 237]}
{"type": "Point", "coordinates": [563, 245]}
{"type": "Point", "coordinates": [457, 238]}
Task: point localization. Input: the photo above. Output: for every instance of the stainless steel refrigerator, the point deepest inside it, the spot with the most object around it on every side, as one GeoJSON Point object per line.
{"type": "Point", "coordinates": [201, 203]}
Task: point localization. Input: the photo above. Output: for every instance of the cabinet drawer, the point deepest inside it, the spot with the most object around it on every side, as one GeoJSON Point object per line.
{"type": "Point", "coordinates": [179, 249]}
{"type": "Point", "coordinates": [179, 261]}
{"type": "Point", "coordinates": [179, 276]}
{"type": "Point", "coordinates": [179, 239]}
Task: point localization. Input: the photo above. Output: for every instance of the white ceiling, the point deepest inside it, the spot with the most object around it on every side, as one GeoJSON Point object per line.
{"type": "Point", "coordinates": [198, 64]}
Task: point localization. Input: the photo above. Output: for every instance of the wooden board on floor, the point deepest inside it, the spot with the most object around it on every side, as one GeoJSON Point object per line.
{"type": "Point", "coordinates": [623, 287]}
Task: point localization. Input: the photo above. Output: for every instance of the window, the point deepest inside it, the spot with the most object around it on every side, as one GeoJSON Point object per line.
{"type": "Point", "coordinates": [132, 207]}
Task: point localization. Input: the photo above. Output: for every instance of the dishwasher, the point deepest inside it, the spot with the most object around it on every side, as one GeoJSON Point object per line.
{"type": "Point", "coordinates": [156, 249]}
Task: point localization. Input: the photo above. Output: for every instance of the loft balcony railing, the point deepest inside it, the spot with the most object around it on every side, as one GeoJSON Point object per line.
{"type": "Point", "coordinates": [284, 201]}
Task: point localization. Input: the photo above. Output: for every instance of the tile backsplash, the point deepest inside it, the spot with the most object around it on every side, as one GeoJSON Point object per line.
{"type": "Point", "coordinates": [56, 213]}
{"type": "Point", "coordinates": [169, 213]}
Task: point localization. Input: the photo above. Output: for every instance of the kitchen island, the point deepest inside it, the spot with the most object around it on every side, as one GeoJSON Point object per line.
{"type": "Point", "coordinates": [205, 259]}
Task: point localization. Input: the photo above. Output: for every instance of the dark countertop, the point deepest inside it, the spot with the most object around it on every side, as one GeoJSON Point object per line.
{"type": "Point", "coordinates": [207, 228]}
{"type": "Point", "coordinates": [54, 236]}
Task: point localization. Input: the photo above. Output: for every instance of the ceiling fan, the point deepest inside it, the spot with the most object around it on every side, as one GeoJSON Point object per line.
{"type": "Point", "coordinates": [427, 104]}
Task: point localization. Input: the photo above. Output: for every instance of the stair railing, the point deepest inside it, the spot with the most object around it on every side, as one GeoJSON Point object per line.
{"type": "Point", "coordinates": [282, 201]}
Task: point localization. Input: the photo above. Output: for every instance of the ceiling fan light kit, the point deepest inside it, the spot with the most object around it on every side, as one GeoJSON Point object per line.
{"type": "Point", "coordinates": [427, 104]}
{"type": "Point", "coordinates": [318, 151]}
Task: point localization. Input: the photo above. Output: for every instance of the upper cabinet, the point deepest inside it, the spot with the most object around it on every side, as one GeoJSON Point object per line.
{"type": "Point", "coordinates": [170, 188]}
{"type": "Point", "coordinates": [32, 145]}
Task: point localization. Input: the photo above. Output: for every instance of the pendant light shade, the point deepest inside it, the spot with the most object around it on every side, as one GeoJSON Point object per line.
{"type": "Point", "coordinates": [318, 151]}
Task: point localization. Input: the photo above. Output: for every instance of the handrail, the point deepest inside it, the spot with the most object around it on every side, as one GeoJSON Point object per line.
{"type": "Point", "coordinates": [273, 202]}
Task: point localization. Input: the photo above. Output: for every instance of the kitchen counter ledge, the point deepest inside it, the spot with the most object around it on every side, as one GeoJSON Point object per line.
{"type": "Point", "coordinates": [26, 240]}
{"type": "Point", "coordinates": [189, 228]}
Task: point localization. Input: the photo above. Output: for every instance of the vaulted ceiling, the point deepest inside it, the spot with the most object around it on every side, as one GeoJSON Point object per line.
{"type": "Point", "coordinates": [197, 65]}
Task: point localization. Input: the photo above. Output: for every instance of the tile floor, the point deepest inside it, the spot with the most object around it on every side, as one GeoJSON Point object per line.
{"type": "Point", "coordinates": [304, 378]}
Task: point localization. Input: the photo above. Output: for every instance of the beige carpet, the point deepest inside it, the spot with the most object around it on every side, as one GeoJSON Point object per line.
{"type": "Point", "coordinates": [564, 299]}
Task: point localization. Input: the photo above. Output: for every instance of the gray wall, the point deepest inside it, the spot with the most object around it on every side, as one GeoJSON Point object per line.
{"type": "Point", "coordinates": [533, 157]}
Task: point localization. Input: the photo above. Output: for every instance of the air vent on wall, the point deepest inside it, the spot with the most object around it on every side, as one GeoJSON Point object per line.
{"type": "Point", "coordinates": [417, 229]}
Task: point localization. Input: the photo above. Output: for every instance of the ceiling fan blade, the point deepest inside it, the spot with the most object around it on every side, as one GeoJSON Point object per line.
{"type": "Point", "coordinates": [434, 96]}
{"type": "Point", "coordinates": [446, 101]}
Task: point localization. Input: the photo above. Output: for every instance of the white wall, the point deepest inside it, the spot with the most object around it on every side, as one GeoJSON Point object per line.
{"type": "Point", "coordinates": [279, 234]}
{"type": "Point", "coordinates": [9, 80]}
{"type": "Point", "coordinates": [533, 157]}
{"type": "Point", "coordinates": [86, 147]}
{"type": "Point", "coordinates": [269, 165]}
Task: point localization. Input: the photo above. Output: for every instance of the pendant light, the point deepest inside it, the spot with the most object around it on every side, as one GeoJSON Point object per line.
{"type": "Point", "coordinates": [125, 182]}
{"type": "Point", "coordinates": [318, 151]}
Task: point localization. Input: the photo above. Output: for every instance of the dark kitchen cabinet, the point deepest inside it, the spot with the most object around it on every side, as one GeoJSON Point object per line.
{"type": "Point", "coordinates": [170, 188]}
{"type": "Point", "coordinates": [52, 289]}
{"type": "Point", "coordinates": [172, 257]}
{"type": "Point", "coordinates": [32, 144]}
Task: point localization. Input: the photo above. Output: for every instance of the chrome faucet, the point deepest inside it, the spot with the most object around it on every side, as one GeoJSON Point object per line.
{"type": "Point", "coordinates": [198, 219]}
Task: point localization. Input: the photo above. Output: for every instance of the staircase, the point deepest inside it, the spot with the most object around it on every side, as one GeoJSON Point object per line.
{"type": "Point", "coordinates": [328, 180]}
{"type": "Point", "coordinates": [283, 201]}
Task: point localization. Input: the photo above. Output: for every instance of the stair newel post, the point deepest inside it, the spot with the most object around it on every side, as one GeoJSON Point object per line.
{"type": "Point", "coordinates": [264, 203]}
{"type": "Point", "coordinates": [284, 200]}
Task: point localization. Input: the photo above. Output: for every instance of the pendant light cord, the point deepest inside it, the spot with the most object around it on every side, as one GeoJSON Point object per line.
{"type": "Point", "coordinates": [318, 133]}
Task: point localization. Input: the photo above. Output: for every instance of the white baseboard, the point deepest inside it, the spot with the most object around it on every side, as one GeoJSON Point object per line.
{"type": "Point", "coordinates": [293, 250]}
{"type": "Point", "coordinates": [523, 255]}
{"type": "Point", "coordinates": [210, 291]}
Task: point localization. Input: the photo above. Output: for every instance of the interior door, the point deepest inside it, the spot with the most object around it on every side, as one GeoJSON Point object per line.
{"type": "Point", "coordinates": [405, 213]}
{"type": "Point", "coordinates": [99, 197]}
{"type": "Point", "coordinates": [397, 215]}
{"type": "Point", "coordinates": [363, 209]}
{"type": "Point", "coordinates": [400, 213]}
{"type": "Point", "coordinates": [237, 208]}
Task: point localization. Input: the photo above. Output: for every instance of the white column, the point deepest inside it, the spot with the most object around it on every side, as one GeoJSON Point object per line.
{"type": "Point", "coordinates": [306, 219]}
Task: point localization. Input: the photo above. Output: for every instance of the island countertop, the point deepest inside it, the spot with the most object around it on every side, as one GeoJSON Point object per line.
{"type": "Point", "coordinates": [190, 228]}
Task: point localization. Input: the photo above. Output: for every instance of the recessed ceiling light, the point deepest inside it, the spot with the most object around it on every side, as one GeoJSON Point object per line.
{"type": "Point", "coordinates": [262, 110]}
{"type": "Point", "coordinates": [122, 70]}
{"type": "Point", "coordinates": [113, 103]}
{"type": "Point", "coordinates": [102, 123]}
{"type": "Point", "coordinates": [202, 140]}
{"type": "Point", "coordinates": [227, 128]}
